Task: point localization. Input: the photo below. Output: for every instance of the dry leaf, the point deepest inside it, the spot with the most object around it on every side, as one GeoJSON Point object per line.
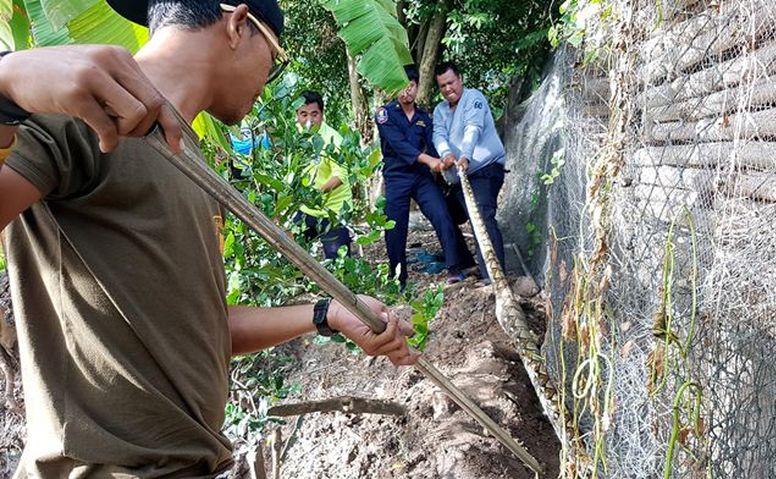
{"type": "Point", "coordinates": [626, 349]}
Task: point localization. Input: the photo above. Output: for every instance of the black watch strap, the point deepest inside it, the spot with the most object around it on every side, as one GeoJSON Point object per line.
{"type": "Point", "coordinates": [320, 311]}
{"type": "Point", "coordinates": [11, 114]}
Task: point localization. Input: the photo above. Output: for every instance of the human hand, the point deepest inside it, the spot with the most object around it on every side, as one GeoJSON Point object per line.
{"type": "Point", "coordinates": [463, 164]}
{"type": "Point", "coordinates": [437, 166]}
{"type": "Point", "coordinates": [449, 161]}
{"type": "Point", "coordinates": [101, 85]}
{"type": "Point", "coordinates": [392, 342]}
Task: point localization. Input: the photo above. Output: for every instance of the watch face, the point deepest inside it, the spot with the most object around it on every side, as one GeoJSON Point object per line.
{"type": "Point", "coordinates": [319, 319]}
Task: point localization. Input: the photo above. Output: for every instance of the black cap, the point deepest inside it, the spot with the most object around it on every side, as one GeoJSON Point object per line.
{"type": "Point", "coordinates": [267, 11]}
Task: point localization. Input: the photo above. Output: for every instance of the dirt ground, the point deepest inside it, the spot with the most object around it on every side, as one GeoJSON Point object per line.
{"type": "Point", "coordinates": [12, 430]}
{"type": "Point", "coordinates": [434, 439]}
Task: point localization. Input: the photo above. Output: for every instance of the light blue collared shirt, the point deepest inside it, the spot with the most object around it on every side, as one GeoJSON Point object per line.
{"type": "Point", "coordinates": [468, 132]}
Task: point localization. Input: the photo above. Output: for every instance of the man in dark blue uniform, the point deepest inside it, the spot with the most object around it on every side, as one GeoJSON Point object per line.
{"type": "Point", "coordinates": [409, 158]}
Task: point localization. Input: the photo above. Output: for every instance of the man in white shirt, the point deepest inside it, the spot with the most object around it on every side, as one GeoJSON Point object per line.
{"type": "Point", "coordinates": [465, 133]}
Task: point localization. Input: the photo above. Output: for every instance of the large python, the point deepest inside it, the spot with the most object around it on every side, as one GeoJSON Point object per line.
{"type": "Point", "coordinates": [510, 316]}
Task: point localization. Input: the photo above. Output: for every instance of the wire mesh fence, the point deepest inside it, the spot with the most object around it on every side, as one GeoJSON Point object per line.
{"type": "Point", "coordinates": [661, 270]}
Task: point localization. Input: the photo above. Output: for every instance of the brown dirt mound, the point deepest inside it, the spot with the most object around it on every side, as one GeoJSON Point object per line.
{"type": "Point", "coordinates": [434, 439]}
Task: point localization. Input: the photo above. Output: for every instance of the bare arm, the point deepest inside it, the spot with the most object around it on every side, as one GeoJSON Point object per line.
{"type": "Point", "coordinates": [16, 195]}
{"type": "Point", "coordinates": [333, 183]}
{"type": "Point", "coordinates": [254, 329]}
{"type": "Point", "coordinates": [101, 85]}
{"type": "Point", "coordinates": [434, 164]}
{"type": "Point", "coordinates": [6, 135]}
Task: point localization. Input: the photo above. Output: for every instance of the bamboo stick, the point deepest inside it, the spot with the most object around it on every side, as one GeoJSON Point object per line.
{"type": "Point", "coordinates": [349, 405]}
{"type": "Point", "coordinates": [277, 449]}
{"type": "Point", "coordinates": [193, 166]}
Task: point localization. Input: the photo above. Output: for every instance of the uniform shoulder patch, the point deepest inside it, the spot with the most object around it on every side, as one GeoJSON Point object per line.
{"type": "Point", "coordinates": [382, 116]}
{"type": "Point", "coordinates": [478, 105]}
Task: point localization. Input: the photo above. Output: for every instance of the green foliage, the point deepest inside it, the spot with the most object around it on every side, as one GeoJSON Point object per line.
{"type": "Point", "coordinates": [319, 59]}
{"type": "Point", "coordinates": [374, 35]}
{"type": "Point", "coordinates": [2, 260]}
{"type": "Point", "coordinates": [492, 40]}
{"type": "Point", "coordinates": [257, 275]}
{"type": "Point", "coordinates": [6, 35]}
{"type": "Point", "coordinates": [258, 382]}
{"type": "Point", "coordinates": [557, 161]}
{"type": "Point", "coordinates": [277, 183]}
{"type": "Point", "coordinates": [535, 237]}
{"type": "Point", "coordinates": [81, 21]}
{"type": "Point", "coordinates": [581, 24]}
{"type": "Point", "coordinates": [426, 310]}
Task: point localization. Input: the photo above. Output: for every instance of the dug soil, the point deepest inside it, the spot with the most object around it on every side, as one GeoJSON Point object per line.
{"type": "Point", "coordinates": [434, 438]}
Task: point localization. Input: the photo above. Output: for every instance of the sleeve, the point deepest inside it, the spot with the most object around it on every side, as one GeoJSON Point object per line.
{"type": "Point", "coordinates": [395, 138]}
{"type": "Point", "coordinates": [439, 134]}
{"type": "Point", "coordinates": [57, 154]}
{"type": "Point", "coordinates": [474, 122]}
{"type": "Point", "coordinates": [339, 171]}
{"type": "Point", "coordinates": [336, 161]}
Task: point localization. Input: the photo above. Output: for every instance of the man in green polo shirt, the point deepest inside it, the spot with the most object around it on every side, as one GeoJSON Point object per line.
{"type": "Point", "coordinates": [328, 177]}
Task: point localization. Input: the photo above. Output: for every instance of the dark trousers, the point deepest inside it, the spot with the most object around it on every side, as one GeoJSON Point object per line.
{"type": "Point", "coordinates": [486, 184]}
{"type": "Point", "coordinates": [399, 190]}
{"type": "Point", "coordinates": [331, 238]}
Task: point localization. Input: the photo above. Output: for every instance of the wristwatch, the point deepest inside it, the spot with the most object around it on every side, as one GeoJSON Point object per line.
{"type": "Point", "coordinates": [320, 321]}
{"type": "Point", "coordinates": [11, 114]}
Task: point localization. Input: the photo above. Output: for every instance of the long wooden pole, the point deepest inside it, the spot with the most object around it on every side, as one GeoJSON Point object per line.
{"type": "Point", "coordinates": [193, 166]}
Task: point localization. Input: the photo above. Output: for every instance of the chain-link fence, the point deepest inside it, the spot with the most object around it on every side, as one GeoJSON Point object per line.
{"type": "Point", "coordinates": [661, 214]}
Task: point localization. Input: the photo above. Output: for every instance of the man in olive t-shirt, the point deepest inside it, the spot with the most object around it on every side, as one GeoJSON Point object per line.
{"type": "Point", "coordinates": [114, 256]}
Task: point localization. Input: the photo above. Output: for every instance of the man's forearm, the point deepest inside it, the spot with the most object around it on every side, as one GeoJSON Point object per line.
{"type": "Point", "coordinates": [254, 329]}
{"type": "Point", "coordinates": [427, 159]}
{"type": "Point", "coordinates": [332, 184]}
{"type": "Point", "coordinates": [6, 135]}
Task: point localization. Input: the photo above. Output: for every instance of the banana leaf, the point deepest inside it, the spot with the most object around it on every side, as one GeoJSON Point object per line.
{"type": "Point", "coordinates": [97, 23]}
{"type": "Point", "coordinates": [372, 33]}
{"type": "Point", "coordinates": [60, 13]}
{"type": "Point", "coordinates": [19, 26]}
{"type": "Point", "coordinates": [6, 35]}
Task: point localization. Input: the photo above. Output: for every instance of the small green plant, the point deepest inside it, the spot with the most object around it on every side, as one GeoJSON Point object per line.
{"type": "Point", "coordinates": [582, 25]}
{"type": "Point", "coordinates": [534, 237]}
{"type": "Point", "coordinates": [557, 161]}
{"type": "Point", "coordinates": [258, 381]}
{"type": "Point", "coordinates": [425, 310]}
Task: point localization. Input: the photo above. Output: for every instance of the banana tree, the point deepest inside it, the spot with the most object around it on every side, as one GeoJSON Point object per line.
{"type": "Point", "coordinates": [373, 34]}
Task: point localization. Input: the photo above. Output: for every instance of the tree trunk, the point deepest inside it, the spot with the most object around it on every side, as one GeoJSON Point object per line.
{"type": "Point", "coordinates": [420, 41]}
{"type": "Point", "coordinates": [436, 31]}
{"type": "Point", "coordinates": [400, 15]}
{"type": "Point", "coordinates": [357, 101]}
